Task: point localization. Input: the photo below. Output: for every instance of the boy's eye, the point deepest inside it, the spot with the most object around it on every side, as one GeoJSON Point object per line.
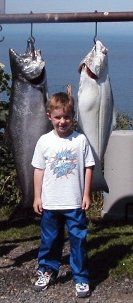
{"type": "Point", "coordinates": [64, 117]}
{"type": "Point", "coordinates": [56, 117]}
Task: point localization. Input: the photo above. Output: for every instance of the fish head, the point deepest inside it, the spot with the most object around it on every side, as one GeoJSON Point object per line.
{"type": "Point", "coordinates": [27, 66]}
{"type": "Point", "coordinates": [96, 60]}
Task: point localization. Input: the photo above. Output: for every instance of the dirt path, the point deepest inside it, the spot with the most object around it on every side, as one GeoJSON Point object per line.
{"type": "Point", "coordinates": [18, 267]}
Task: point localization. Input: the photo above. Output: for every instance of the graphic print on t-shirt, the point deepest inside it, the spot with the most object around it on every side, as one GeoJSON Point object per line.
{"type": "Point", "coordinates": [63, 163]}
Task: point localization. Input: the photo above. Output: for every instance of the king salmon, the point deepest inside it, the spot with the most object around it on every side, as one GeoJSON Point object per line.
{"type": "Point", "coordinates": [27, 113]}
{"type": "Point", "coordinates": [96, 106]}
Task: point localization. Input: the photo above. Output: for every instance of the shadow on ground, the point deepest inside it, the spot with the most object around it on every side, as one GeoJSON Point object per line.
{"type": "Point", "coordinates": [99, 264]}
{"type": "Point", "coordinates": [102, 262]}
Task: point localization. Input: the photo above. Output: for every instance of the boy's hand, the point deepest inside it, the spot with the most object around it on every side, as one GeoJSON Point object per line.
{"type": "Point", "coordinates": [86, 202]}
{"type": "Point", "coordinates": [37, 205]}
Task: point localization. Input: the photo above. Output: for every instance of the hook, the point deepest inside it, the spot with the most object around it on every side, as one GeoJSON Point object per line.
{"type": "Point", "coordinates": [31, 31]}
{"type": "Point", "coordinates": [94, 39]}
{"type": "Point", "coordinates": [0, 31]}
{"type": "Point", "coordinates": [30, 42]}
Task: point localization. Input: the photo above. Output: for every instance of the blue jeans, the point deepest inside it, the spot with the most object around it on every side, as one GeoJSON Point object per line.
{"type": "Point", "coordinates": [52, 240]}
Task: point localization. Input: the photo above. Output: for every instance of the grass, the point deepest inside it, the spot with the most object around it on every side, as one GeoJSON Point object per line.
{"type": "Point", "coordinates": [110, 249]}
{"type": "Point", "coordinates": [110, 245]}
{"type": "Point", "coordinates": [17, 234]}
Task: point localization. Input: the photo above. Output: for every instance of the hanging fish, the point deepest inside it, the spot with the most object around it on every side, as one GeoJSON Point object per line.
{"type": "Point", "coordinates": [96, 106]}
{"type": "Point", "coordinates": [27, 113]}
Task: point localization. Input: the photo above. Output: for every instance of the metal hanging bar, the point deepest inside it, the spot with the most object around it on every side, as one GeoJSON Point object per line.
{"type": "Point", "coordinates": [94, 39]}
{"type": "Point", "coordinates": [66, 17]}
{"type": "Point", "coordinates": [1, 40]}
{"type": "Point", "coordinates": [31, 33]}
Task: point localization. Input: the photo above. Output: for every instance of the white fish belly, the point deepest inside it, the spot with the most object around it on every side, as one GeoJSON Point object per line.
{"type": "Point", "coordinates": [95, 107]}
{"type": "Point", "coordinates": [88, 109]}
{"type": "Point", "coordinates": [105, 116]}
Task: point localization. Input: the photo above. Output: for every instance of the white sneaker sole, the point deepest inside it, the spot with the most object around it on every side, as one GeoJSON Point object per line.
{"type": "Point", "coordinates": [82, 294]}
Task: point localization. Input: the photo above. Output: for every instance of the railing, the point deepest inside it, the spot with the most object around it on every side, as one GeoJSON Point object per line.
{"type": "Point", "coordinates": [66, 17]}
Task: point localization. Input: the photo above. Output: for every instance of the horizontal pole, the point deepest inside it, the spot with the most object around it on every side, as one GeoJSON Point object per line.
{"type": "Point", "coordinates": [66, 17]}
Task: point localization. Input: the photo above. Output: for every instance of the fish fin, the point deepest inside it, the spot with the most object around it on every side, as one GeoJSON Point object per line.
{"type": "Point", "coordinates": [98, 183]}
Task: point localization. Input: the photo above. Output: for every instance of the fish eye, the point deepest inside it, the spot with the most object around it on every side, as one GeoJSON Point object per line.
{"type": "Point", "coordinates": [20, 61]}
{"type": "Point", "coordinates": [26, 61]}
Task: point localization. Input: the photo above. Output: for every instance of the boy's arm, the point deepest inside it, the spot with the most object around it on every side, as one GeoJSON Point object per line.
{"type": "Point", "coordinates": [38, 179]}
{"type": "Point", "coordinates": [86, 202]}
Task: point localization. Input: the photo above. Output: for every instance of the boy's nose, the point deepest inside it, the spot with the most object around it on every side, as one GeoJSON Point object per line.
{"type": "Point", "coordinates": [62, 120]}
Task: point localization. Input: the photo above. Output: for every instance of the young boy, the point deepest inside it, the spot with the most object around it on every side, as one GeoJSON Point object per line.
{"type": "Point", "coordinates": [63, 164]}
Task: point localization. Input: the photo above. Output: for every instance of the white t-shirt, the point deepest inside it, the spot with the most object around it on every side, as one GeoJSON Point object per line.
{"type": "Point", "coordinates": [63, 160]}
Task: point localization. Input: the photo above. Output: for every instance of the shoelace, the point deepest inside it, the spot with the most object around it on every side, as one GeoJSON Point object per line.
{"type": "Point", "coordinates": [41, 277]}
{"type": "Point", "coordinates": [82, 286]}
{"type": "Point", "coordinates": [44, 277]}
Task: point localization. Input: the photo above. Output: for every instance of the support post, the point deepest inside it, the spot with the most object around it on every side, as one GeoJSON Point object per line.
{"type": "Point", "coordinates": [118, 172]}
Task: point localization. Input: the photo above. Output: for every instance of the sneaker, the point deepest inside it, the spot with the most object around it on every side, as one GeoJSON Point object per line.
{"type": "Point", "coordinates": [45, 279]}
{"type": "Point", "coordinates": [82, 290]}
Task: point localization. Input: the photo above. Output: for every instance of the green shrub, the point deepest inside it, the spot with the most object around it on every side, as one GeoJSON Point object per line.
{"type": "Point", "coordinates": [123, 121]}
{"type": "Point", "coordinates": [9, 186]}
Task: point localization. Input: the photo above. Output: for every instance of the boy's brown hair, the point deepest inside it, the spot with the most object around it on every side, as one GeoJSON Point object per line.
{"type": "Point", "coordinates": [60, 100]}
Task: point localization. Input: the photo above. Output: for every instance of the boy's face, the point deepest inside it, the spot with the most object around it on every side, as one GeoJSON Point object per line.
{"type": "Point", "coordinates": [62, 120]}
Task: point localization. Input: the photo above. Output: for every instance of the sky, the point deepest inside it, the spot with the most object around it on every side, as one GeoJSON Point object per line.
{"type": "Point", "coordinates": [52, 6]}
{"type": "Point", "coordinates": [25, 6]}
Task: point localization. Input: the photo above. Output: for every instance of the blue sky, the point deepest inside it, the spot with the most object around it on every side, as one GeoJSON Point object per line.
{"type": "Point", "coordinates": [21, 6]}
{"type": "Point", "coordinates": [43, 6]}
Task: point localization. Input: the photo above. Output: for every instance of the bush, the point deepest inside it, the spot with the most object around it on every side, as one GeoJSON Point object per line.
{"type": "Point", "coordinates": [9, 188]}
{"type": "Point", "coordinates": [124, 121]}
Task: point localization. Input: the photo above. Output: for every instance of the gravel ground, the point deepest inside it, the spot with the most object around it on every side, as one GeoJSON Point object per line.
{"type": "Point", "coordinates": [18, 267]}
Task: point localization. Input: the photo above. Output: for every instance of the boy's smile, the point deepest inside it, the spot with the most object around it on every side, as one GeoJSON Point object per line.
{"type": "Point", "coordinates": [62, 120]}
